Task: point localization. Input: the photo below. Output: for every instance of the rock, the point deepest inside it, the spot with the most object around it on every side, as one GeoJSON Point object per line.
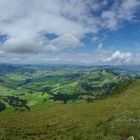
{"type": "Point", "coordinates": [131, 138]}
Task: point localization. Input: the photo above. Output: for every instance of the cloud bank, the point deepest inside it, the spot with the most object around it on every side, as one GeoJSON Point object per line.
{"type": "Point", "coordinates": [119, 58]}
{"type": "Point", "coordinates": [25, 23]}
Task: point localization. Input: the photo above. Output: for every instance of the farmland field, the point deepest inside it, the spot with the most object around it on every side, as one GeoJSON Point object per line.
{"type": "Point", "coordinates": [68, 102]}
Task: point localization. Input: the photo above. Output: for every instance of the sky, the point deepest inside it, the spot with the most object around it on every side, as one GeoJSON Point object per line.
{"type": "Point", "coordinates": [89, 32]}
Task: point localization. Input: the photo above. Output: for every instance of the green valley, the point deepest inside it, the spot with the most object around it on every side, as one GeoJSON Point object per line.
{"type": "Point", "coordinates": [112, 118]}
{"type": "Point", "coordinates": [68, 102]}
{"type": "Point", "coordinates": [35, 87]}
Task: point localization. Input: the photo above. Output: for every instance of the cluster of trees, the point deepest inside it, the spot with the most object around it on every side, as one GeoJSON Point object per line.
{"type": "Point", "coordinates": [64, 97]}
{"type": "Point", "coordinates": [85, 91]}
{"type": "Point", "coordinates": [15, 102]}
{"type": "Point", "coordinates": [2, 106]}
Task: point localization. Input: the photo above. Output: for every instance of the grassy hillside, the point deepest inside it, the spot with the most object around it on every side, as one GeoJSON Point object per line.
{"type": "Point", "coordinates": [112, 118]}
{"type": "Point", "coordinates": [36, 87]}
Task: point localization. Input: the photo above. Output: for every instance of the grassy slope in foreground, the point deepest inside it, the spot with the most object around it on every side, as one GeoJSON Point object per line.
{"type": "Point", "coordinates": [113, 118]}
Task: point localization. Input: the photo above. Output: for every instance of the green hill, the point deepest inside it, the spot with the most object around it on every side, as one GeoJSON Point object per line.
{"type": "Point", "coordinates": [32, 88]}
{"type": "Point", "coordinates": [113, 118]}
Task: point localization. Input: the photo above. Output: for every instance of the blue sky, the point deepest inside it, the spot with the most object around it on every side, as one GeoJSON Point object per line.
{"type": "Point", "coordinates": [93, 32]}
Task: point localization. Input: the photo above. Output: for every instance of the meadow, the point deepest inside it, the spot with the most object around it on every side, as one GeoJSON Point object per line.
{"type": "Point", "coordinates": [70, 103]}
{"type": "Point", "coordinates": [113, 118]}
{"type": "Point", "coordinates": [29, 88]}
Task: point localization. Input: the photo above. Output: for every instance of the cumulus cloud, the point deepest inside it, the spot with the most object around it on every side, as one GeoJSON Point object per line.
{"type": "Point", "coordinates": [55, 16]}
{"type": "Point", "coordinates": [25, 22]}
{"type": "Point", "coordinates": [119, 58]}
{"type": "Point", "coordinates": [21, 45]}
{"type": "Point", "coordinates": [64, 42]}
{"type": "Point", "coordinates": [28, 17]}
{"type": "Point", "coordinates": [120, 11]}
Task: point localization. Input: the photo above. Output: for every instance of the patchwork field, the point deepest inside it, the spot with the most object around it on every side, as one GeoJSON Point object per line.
{"type": "Point", "coordinates": [112, 118]}
{"type": "Point", "coordinates": [73, 103]}
{"type": "Point", "coordinates": [28, 88]}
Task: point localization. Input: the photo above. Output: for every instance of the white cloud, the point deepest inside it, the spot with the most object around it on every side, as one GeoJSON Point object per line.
{"type": "Point", "coordinates": [119, 58]}
{"type": "Point", "coordinates": [123, 10]}
{"type": "Point", "coordinates": [21, 45]}
{"type": "Point", "coordinates": [25, 22]}
{"type": "Point", "coordinates": [64, 42]}
{"type": "Point", "coordinates": [95, 39]}
{"type": "Point", "coordinates": [127, 9]}
{"type": "Point", "coordinates": [109, 20]}
{"type": "Point", "coordinates": [100, 46]}
{"type": "Point", "coordinates": [56, 16]}
{"type": "Point", "coordinates": [30, 18]}
{"type": "Point", "coordinates": [1, 52]}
